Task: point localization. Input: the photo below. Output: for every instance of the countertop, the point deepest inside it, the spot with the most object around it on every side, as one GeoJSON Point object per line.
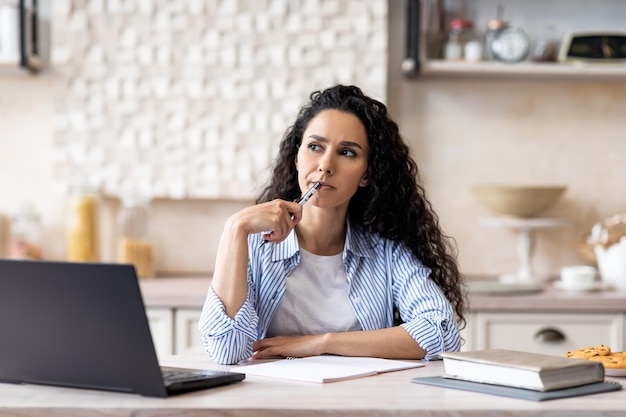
{"type": "Point", "coordinates": [187, 292]}
{"type": "Point", "coordinates": [389, 394]}
{"type": "Point", "coordinates": [173, 292]}
{"type": "Point", "coordinates": [553, 300]}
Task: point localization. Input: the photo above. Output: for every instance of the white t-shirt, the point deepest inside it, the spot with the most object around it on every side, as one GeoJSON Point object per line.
{"type": "Point", "coordinates": [316, 300]}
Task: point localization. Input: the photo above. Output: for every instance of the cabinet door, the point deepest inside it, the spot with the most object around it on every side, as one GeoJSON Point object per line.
{"type": "Point", "coordinates": [162, 328]}
{"type": "Point", "coordinates": [554, 334]}
{"type": "Point", "coordinates": [187, 335]}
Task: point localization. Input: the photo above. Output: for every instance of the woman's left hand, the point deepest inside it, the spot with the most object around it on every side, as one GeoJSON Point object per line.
{"type": "Point", "coordinates": [296, 346]}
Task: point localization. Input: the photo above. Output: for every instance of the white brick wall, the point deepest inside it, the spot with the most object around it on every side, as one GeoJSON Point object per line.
{"type": "Point", "coordinates": [189, 99]}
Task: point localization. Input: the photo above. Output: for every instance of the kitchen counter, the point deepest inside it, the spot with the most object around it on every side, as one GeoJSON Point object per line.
{"type": "Point", "coordinates": [168, 292]}
{"type": "Point", "coordinates": [552, 321]}
{"type": "Point", "coordinates": [191, 292]}
{"type": "Point", "coordinates": [553, 300]}
{"type": "Point", "coordinates": [390, 394]}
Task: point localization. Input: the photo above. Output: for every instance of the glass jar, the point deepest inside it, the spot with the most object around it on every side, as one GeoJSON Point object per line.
{"type": "Point", "coordinates": [82, 225]}
{"type": "Point", "coordinates": [134, 246]}
{"type": "Point", "coordinates": [458, 35]}
{"type": "Point", "coordinates": [26, 236]}
{"type": "Point", "coordinates": [547, 45]}
{"type": "Point", "coordinates": [473, 51]}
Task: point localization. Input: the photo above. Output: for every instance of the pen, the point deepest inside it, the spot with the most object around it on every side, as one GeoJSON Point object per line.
{"type": "Point", "coordinates": [303, 200]}
{"type": "Point", "coordinates": [309, 193]}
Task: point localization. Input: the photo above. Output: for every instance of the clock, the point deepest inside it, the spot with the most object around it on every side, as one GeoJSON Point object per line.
{"type": "Point", "coordinates": [594, 47]}
{"type": "Point", "coordinates": [510, 45]}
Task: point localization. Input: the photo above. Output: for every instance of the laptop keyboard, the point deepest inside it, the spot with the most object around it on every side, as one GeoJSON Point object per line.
{"type": "Point", "coordinates": [173, 376]}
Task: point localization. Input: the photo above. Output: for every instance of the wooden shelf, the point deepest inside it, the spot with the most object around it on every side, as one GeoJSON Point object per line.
{"type": "Point", "coordinates": [530, 70]}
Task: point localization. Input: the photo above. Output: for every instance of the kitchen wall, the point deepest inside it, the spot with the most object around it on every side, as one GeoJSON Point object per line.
{"type": "Point", "coordinates": [461, 130]}
{"type": "Point", "coordinates": [553, 130]}
{"type": "Point", "coordinates": [182, 101]}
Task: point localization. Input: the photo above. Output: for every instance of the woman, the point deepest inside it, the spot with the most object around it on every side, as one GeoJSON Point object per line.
{"type": "Point", "coordinates": [326, 277]}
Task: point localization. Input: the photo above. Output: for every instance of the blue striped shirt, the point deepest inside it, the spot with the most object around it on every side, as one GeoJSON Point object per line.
{"type": "Point", "coordinates": [381, 274]}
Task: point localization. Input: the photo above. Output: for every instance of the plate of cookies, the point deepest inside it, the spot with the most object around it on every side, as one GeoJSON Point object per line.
{"type": "Point", "coordinates": [614, 362]}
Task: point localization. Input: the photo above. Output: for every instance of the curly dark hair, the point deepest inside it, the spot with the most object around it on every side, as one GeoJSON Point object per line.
{"type": "Point", "coordinates": [394, 204]}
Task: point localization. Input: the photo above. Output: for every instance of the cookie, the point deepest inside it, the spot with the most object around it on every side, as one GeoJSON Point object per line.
{"type": "Point", "coordinates": [602, 354]}
{"type": "Point", "coordinates": [589, 352]}
{"type": "Point", "coordinates": [611, 361]}
{"type": "Point", "coordinates": [581, 354]}
{"type": "Point", "coordinates": [602, 350]}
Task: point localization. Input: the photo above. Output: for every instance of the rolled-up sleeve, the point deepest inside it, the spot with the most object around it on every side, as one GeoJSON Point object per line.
{"type": "Point", "coordinates": [433, 333]}
{"type": "Point", "coordinates": [227, 340]}
{"type": "Point", "coordinates": [428, 315]}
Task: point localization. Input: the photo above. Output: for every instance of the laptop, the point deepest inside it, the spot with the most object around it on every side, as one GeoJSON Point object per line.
{"type": "Point", "coordinates": [84, 325]}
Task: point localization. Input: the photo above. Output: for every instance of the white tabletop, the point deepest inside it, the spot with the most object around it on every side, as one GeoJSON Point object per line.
{"type": "Point", "coordinates": [391, 394]}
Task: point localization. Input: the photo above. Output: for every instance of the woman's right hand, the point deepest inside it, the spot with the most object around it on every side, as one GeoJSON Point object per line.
{"type": "Point", "coordinates": [276, 218]}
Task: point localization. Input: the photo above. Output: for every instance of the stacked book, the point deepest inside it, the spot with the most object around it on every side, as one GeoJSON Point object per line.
{"type": "Point", "coordinates": [521, 374]}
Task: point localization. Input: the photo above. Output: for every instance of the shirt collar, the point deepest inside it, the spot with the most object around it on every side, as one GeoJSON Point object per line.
{"type": "Point", "coordinates": [357, 243]}
{"type": "Point", "coordinates": [286, 249]}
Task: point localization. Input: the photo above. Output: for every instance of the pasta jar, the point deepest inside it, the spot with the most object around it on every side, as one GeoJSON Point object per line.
{"type": "Point", "coordinates": [25, 240]}
{"type": "Point", "coordinates": [82, 226]}
{"type": "Point", "coordinates": [134, 245]}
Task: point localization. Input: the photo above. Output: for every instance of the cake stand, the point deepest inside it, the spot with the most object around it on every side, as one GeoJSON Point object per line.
{"type": "Point", "coordinates": [525, 228]}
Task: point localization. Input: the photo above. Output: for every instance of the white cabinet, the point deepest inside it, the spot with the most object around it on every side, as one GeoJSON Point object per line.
{"type": "Point", "coordinates": [187, 336]}
{"type": "Point", "coordinates": [549, 333]}
{"type": "Point", "coordinates": [161, 323]}
{"type": "Point", "coordinates": [175, 330]}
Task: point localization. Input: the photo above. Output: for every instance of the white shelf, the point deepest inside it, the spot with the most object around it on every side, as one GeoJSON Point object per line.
{"type": "Point", "coordinates": [591, 71]}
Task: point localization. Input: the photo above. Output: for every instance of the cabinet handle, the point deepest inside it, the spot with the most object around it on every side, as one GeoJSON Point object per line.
{"type": "Point", "coordinates": [549, 335]}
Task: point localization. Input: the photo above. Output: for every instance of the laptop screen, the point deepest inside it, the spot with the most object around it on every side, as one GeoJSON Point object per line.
{"type": "Point", "coordinates": [76, 325]}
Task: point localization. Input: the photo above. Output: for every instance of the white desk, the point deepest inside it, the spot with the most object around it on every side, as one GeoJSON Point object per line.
{"type": "Point", "coordinates": [389, 394]}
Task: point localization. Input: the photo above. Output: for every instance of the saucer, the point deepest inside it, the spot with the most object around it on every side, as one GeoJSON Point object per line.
{"type": "Point", "coordinates": [596, 286]}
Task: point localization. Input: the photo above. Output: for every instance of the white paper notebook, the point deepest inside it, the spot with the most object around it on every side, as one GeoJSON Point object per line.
{"type": "Point", "coordinates": [326, 368]}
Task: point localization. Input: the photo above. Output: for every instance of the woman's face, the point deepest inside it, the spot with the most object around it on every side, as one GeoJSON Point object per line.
{"type": "Point", "coordinates": [334, 151]}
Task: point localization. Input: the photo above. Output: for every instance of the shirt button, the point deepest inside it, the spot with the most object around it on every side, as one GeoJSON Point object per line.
{"type": "Point", "coordinates": [357, 300]}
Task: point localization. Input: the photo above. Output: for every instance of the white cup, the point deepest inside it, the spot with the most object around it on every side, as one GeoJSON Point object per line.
{"type": "Point", "coordinates": [578, 276]}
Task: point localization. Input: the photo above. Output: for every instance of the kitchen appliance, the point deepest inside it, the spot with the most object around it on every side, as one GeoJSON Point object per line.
{"type": "Point", "coordinates": [594, 47]}
{"type": "Point", "coordinates": [19, 38]}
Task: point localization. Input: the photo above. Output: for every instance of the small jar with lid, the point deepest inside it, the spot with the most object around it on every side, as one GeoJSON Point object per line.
{"type": "Point", "coordinates": [461, 30]}
{"type": "Point", "coordinates": [26, 235]}
{"type": "Point", "coordinates": [83, 238]}
{"type": "Point", "coordinates": [133, 244]}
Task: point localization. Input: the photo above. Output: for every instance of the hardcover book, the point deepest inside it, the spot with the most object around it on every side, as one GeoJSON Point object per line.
{"type": "Point", "coordinates": [519, 369]}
